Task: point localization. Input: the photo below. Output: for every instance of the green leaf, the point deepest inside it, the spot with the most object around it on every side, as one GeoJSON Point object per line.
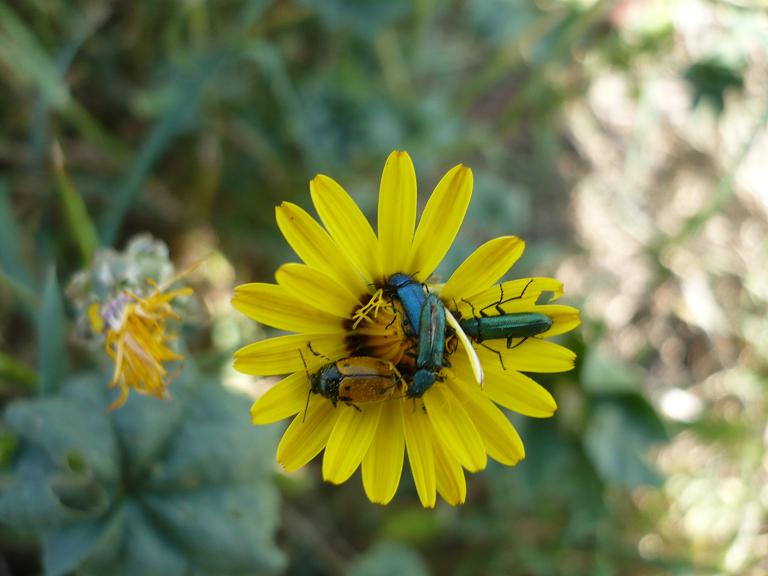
{"type": "Point", "coordinates": [8, 446]}
{"type": "Point", "coordinates": [23, 377]}
{"type": "Point", "coordinates": [519, 16]}
{"type": "Point", "coordinates": [24, 57]}
{"type": "Point", "coordinates": [79, 492]}
{"type": "Point", "coordinates": [147, 426]}
{"type": "Point", "coordinates": [617, 440]}
{"type": "Point", "coordinates": [11, 260]}
{"type": "Point", "coordinates": [364, 17]}
{"type": "Point", "coordinates": [190, 495]}
{"type": "Point", "coordinates": [51, 336]}
{"type": "Point", "coordinates": [210, 485]}
{"type": "Point", "coordinates": [85, 546]}
{"type": "Point", "coordinates": [412, 526]}
{"type": "Point", "coordinates": [80, 223]}
{"type": "Point", "coordinates": [70, 433]}
{"type": "Point", "coordinates": [227, 528]}
{"type": "Point", "coordinates": [711, 79]}
{"type": "Point", "coordinates": [603, 374]}
{"type": "Point", "coordinates": [145, 550]}
{"type": "Point", "coordinates": [26, 503]}
{"type": "Point", "coordinates": [387, 558]}
{"type": "Point", "coordinates": [537, 483]}
{"type": "Point", "coordinates": [240, 448]}
{"type": "Point", "coordinates": [187, 91]}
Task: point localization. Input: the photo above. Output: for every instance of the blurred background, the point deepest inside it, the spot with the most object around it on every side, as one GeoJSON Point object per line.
{"type": "Point", "coordinates": [624, 140]}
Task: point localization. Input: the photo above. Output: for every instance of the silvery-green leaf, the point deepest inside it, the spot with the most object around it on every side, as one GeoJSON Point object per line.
{"type": "Point", "coordinates": [215, 443]}
{"type": "Point", "coordinates": [224, 529]}
{"type": "Point", "coordinates": [73, 435]}
{"type": "Point", "coordinates": [84, 546]}
{"type": "Point", "coordinates": [387, 558]}
{"type": "Point", "coordinates": [145, 550]}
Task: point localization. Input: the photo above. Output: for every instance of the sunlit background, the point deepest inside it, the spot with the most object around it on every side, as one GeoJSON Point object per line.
{"type": "Point", "coordinates": [624, 140]}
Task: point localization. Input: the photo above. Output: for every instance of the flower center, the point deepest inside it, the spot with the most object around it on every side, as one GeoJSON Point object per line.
{"type": "Point", "coordinates": [376, 330]}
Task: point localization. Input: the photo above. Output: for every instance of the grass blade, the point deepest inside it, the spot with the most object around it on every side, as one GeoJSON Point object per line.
{"type": "Point", "coordinates": [51, 336]}
{"type": "Point", "coordinates": [187, 93]}
{"type": "Point", "coordinates": [11, 262]}
{"type": "Point", "coordinates": [80, 223]}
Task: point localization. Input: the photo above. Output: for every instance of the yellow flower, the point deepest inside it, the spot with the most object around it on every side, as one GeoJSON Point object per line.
{"type": "Point", "coordinates": [136, 338]}
{"type": "Point", "coordinates": [334, 304]}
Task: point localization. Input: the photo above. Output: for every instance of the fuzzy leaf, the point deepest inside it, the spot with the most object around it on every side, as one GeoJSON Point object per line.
{"type": "Point", "coordinates": [73, 435]}
{"type": "Point", "coordinates": [222, 529]}
{"type": "Point", "coordinates": [192, 492]}
{"type": "Point", "coordinates": [145, 551]}
{"type": "Point", "coordinates": [216, 443]}
{"type": "Point", "coordinates": [148, 426]}
{"type": "Point", "coordinates": [76, 546]}
{"type": "Point", "coordinates": [26, 503]}
{"type": "Point", "coordinates": [387, 558]}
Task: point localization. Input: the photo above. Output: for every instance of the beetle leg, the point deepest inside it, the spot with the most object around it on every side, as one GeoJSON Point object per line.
{"type": "Point", "coordinates": [501, 359]}
{"type": "Point", "coordinates": [509, 342]}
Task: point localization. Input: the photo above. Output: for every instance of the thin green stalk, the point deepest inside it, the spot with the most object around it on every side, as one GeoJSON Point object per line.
{"type": "Point", "coordinates": [80, 224]}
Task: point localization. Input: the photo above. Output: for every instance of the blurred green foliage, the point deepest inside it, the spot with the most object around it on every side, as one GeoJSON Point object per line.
{"type": "Point", "coordinates": [192, 120]}
{"type": "Point", "coordinates": [150, 489]}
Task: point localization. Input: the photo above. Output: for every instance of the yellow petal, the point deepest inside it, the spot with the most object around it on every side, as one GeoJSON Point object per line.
{"type": "Point", "coordinates": [281, 355]}
{"type": "Point", "coordinates": [564, 318]}
{"type": "Point", "coordinates": [397, 211]}
{"type": "Point", "coordinates": [284, 399]}
{"type": "Point", "coordinates": [454, 429]}
{"type": "Point", "coordinates": [315, 247]}
{"type": "Point", "coordinates": [274, 306]}
{"type": "Point", "coordinates": [510, 389]}
{"type": "Point", "coordinates": [483, 267]}
{"type": "Point", "coordinates": [317, 289]}
{"type": "Point", "coordinates": [440, 221]}
{"type": "Point", "coordinates": [533, 355]}
{"type": "Point", "coordinates": [349, 441]}
{"type": "Point", "coordinates": [307, 434]}
{"type": "Point", "coordinates": [347, 225]}
{"type": "Point", "coordinates": [383, 463]}
{"type": "Point", "coordinates": [520, 393]}
{"type": "Point", "coordinates": [516, 296]}
{"type": "Point", "coordinates": [418, 441]}
{"type": "Point", "coordinates": [451, 483]}
{"type": "Point", "coordinates": [500, 438]}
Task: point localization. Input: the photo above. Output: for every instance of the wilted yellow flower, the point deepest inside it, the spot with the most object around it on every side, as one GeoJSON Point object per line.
{"type": "Point", "coordinates": [336, 303]}
{"type": "Point", "coordinates": [136, 338]}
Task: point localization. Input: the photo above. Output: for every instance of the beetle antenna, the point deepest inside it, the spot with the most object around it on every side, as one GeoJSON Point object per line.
{"type": "Point", "coordinates": [304, 361]}
{"type": "Point", "coordinates": [306, 406]}
{"type": "Point", "coordinates": [309, 392]}
{"type": "Point", "coordinates": [309, 345]}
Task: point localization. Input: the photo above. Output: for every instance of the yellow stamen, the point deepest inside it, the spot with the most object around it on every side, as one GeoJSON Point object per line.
{"type": "Point", "coordinates": [138, 344]}
{"type": "Point", "coordinates": [373, 306]}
